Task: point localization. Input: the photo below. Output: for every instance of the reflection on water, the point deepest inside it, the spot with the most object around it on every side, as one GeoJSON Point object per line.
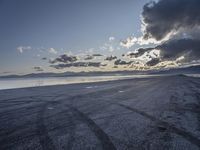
{"type": "Point", "coordinates": [35, 82]}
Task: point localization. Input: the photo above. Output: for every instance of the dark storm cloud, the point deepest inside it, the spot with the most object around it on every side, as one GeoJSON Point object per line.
{"type": "Point", "coordinates": [175, 48]}
{"type": "Point", "coordinates": [166, 16]}
{"type": "Point", "coordinates": [64, 59]}
{"type": "Point", "coordinates": [153, 62]}
{"type": "Point", "coordinates": [38, 68]}
{"type": "Point", "coordinates": [110, 58]}
{"type": "Point", "coordinates": [121, 62]}
{"type": "Point", "coordinates": [78, 64]}
{"type": "Point", "coordinates": [172, 49]}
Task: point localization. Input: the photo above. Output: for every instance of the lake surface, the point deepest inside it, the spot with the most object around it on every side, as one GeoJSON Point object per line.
{"type": "Point", "coordinates": [12, 83]}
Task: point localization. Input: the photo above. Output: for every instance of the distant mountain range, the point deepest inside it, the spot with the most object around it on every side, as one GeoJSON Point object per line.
{"type": "Point", "coordinates": [73, 74]}
{"type": "Point", "coordinates": [185, 70]}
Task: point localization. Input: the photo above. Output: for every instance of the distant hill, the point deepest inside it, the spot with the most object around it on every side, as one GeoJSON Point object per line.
{"type": "Point", "coordinates": [185, 70]}
{"type": "Point", "coordinates": [70, 74]}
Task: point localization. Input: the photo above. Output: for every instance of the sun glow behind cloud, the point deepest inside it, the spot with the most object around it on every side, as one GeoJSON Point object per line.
{"type": "Point", "coordinates": [167, 38]}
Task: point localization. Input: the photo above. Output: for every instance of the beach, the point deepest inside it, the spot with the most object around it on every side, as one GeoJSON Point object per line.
{"type": "Point", "coordinates": [132, 114]}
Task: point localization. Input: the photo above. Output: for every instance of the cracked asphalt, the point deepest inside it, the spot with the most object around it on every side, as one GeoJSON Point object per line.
{"type": "Point", "coordinates": [135, 114]}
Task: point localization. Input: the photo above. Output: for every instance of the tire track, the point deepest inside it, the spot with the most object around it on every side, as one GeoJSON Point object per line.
{"type": "Point", "coordinates": [44, 138]}
{"type": "Point", "coordinates": [195, 89]}
{"type": "Point", "coordinates": [186, 135]}
{"type": "Point", "coordinates": [99, 133]}
{"type": "Point", "coordinates": [71, 130]}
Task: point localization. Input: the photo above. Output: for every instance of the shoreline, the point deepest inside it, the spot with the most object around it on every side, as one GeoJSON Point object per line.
{"type": "Point", "coordinates": [40, 82]}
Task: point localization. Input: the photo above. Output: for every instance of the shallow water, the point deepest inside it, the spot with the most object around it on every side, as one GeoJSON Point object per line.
{"type": "Point", "coordinates": [13, 83]}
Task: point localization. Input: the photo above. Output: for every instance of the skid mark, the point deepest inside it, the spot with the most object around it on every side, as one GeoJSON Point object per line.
{"type": "Point", "coordinates": [99, 133]}
{"type": "Point", "coordinates": [186, 135]}
{"type": "Point", "coordinates": [45, 140]}
{"type": "Point", "coordinates": [71, 130]}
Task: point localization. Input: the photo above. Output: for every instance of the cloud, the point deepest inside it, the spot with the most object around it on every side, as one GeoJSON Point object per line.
{"type": "Point", "coordinates": [121, 62]}
{"type": "Point", "coordinates": [52, 51]}
{"type": "Point", "coordinates": [129, 42]}
{"type": "Point", "coordinates": [6, 72]}
{"type": "Point", "coordinates": [175, 48]}
{"type": "Point", "coordinates": [107, 46]}
{"type": "Point", "coordinates": [173, 27]}
{"type": "Point", "coordinates": [97, 55]}
{"type": "Point", "coordinates": [21, 49]}
{"type": "Point", "coordinates": [92, 56]}
{"type": "Point", "coordinates": [110, 58]}
{"type": "Point", "coordinates": [110, 45]}
{"type": "Point", "coordinates": [44, 58]}
{"type": "Point", "coordinates": [39, 69]}
{"type": "Point", "coordinates": [168, 17]}
{"type": "Point", "coordinates": [78, 64]}
{"type": "Point", "coordinates": [153, 62]}
{"type": "Point", "coordinates": [139, 52]}
{"type": "Point", "coordinates": [111, 38]}
{"type": "Point", "coordinates": [64, 59]}
{"type": "Point", "coordinates": [110, 48]}
{"type": "Point", "coordinates": [88, 57]}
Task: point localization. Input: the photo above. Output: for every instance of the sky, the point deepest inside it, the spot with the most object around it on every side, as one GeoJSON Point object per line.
{"type": "Point", "coordinates": [103, 35]}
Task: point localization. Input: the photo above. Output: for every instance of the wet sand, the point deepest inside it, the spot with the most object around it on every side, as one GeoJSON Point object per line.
{"type": "Point", "coordinates": [156, 113]}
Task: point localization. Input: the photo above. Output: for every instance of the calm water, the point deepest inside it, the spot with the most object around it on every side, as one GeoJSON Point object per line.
{"type": "Point", "coordinates": [35, 82]}
{"type": "Point", "coordinates": [13, 83]}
